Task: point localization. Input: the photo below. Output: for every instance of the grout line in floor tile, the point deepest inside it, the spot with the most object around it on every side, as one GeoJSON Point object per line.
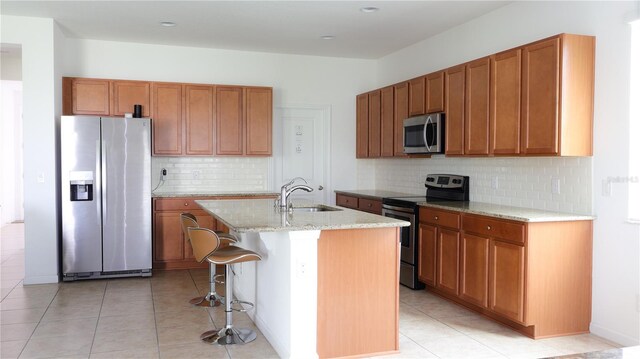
{"type": "Point", "coordinates": [95, 332]}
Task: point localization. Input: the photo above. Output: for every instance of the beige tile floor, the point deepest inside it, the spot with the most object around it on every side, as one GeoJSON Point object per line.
{"type": "Point", "coordinates": [151, 318]}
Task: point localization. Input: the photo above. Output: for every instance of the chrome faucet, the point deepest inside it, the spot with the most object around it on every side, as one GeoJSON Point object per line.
{"type": "Point", "coordinates": [285, 191]}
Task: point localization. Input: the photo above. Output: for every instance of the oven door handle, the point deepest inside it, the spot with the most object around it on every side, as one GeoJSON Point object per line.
{"type": "Point", "coordinates": [399, 209]}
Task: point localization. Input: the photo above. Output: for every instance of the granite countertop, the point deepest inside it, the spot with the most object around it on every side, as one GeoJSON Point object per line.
{"type": "Point", "coordinates": [170, 194]}
{"type": "Point", "coordinates": [260, 215]}
{"type": "Point", "coordinates": [507, 212]}
{"type": "Point", "coordinates": [375, 194]}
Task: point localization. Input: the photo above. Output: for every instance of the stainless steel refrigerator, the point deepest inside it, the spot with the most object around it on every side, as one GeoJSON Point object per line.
{"type": "Point", "coordinates": [106, 197]}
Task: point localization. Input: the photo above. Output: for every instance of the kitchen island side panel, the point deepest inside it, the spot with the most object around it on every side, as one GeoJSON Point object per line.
{"type": "Point", "coordinates": [358, 284]}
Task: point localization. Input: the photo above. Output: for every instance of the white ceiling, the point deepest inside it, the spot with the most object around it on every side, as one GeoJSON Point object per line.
{"type": "Point", "coordinates": [291, 27]}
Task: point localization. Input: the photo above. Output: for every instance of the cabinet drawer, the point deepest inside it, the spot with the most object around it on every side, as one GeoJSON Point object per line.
{"type": "Point", "coordinates": [369, 205]}
{"type": "Point", "coordinates": [347, 201]}
{"type": "Point", "coordinates": [495, 228]}
{"type": "Point", "coordinates": [440, 217]}
{"type": "Point", "coordinates": [176, 204]}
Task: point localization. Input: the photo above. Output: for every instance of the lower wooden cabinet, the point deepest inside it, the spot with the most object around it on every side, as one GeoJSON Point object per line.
{"type": "Point", "coordinates": [360, 203]}
{"type": "Point", "coordinates": [532, 276]}
{"type": "Point", "coordinates": [170, 249]}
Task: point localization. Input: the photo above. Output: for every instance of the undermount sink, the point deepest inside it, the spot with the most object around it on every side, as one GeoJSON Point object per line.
{"type": "Point", "coordinates": [316, 208]}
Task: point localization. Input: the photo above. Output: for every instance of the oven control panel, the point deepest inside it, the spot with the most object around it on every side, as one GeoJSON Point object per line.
{"type": "Point", "coordinates": [445, 181]}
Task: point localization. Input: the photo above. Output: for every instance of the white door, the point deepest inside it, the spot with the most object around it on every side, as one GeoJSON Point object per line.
{"type": "Point", "coordinates": [302, 150]}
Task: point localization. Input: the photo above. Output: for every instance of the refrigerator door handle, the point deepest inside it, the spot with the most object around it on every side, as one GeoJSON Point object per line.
{"type": "Point", "coordinates": [104, 180]}
{"type": "Point", "coordinates": [97, 192]}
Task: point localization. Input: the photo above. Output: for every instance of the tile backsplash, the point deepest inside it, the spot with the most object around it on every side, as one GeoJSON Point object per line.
{"type": "Point", "coordinates": [521, 182]}
{"type": "Point", "coordinates": [215, 174]}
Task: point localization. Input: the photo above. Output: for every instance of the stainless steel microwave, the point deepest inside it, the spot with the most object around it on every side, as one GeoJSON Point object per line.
{"type": "Point", "coordinates": [424, 134]}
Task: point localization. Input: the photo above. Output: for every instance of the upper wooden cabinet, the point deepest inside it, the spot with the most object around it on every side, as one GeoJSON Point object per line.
{"type": "Point", "coordinates": [243, 115]}
{"type": "Point", "coordinates": [362, 125]}
{"type": "Point", "coordinates": [506, 85]}
{"type": "Point", "coordinates": [435, 92]}
{"type": "Point", "coordinates": [184, 115]}
{"type": "Point", "coordinates": [125, 94]}
{"type": "Point", "coordinates": [374, 123]}
{"type": "Point", "coordinates": [387, 126]}
{"type": "Point", "coordinates": [400, 112]}
{"type": "Point", "coordinates": [85, 96]}
{"type": "Point", "coordinates": [167, 119]}
{"type": "Point", "coordinates": [258, 117]}
{"type": "Point", "coordinates": [416, 96]}
{"type": "Point", "coordinates": [198, 119]}
{"type": "Point", "coordinates": [454, 108]}
{"type": "Point", "coordinates": [476, 108]}
{"type": "Point", "coordinates": [557, 96]}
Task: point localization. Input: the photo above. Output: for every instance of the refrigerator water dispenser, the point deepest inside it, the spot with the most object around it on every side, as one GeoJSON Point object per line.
{"type": "Point", "coordinates": [81, 183]}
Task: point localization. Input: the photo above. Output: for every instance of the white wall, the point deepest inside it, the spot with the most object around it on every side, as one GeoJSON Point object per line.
{"type": "Point", "coordinates": [41, 104]}
{"type": "Point", "coordinates": [295, 79]}
{"type": "Point", "coordinates": [11, 66]}
{"type": "Point", "coordinates": [11, 152]}
{"type": "Point", "coordinates": [616, 264]}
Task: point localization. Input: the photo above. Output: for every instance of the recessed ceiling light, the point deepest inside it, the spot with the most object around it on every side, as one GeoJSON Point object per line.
{"type": "Point", "coordinates": [327, 37]}
{"type": "Point", "coordinates": [369, 9]}
{"type": "Point", "coordinates": [167, 23]}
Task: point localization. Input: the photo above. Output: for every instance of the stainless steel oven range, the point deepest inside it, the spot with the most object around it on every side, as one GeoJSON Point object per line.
{"type": "Point", "coordinates": [440, 187]}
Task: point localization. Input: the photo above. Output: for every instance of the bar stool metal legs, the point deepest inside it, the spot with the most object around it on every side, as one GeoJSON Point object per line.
{"type": "Point", "coordinates": [211, 299]}
{"type": "Point", "coordinates": [229, 335]}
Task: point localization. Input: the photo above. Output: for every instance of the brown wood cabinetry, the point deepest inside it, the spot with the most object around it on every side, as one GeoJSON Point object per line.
{"type": "Point", "coordinates": [374, 124]}
{"type": "Point", "coordinates": [198, 119]}
{"type": "Point", "coordinates": [454, 108]}
{"type": "Point", "coordinates": [258, 113]}
{"type": "Point", "coordinates": [557, 96]}
{"type": "Point", "coordinates": [534, 277]}
{"type": "Point", "coordinates": [400, 112]}
{"type": "Point", "coordinates": [167, 119]}
{"type": "Point", "coordinates": [416, 96]}
{"type": "Point", "coordinates": [360, 203]}
{"type": "Point", "coordinates": [387, 126]}
{"type": "Point", "coordinates": [229, 131]}
{"type": "Point", "coordinates": [125, 94]}
{"type": "Point", "coordinates": [435, 92]}
{"type": "Point", "coordinates": [85, 96]}
{"type": "Point", "coordinates": [476, 115]}
{"type": "Point", "coordinates": [506, 85]}
{"type": "Point", "coordinates": [362, 126]}
{"type": "Point", "coordinates": [427, 242]}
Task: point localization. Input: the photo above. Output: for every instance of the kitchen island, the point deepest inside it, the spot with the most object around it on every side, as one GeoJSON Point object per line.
{"type": "Point", "coordinates": [327, 284]}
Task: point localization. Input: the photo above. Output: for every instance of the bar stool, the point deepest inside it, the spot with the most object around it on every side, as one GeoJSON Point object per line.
{"type": "Point", "coordinates": [211, 299]}
{"type": "Point", "coordinates": [206, 245]}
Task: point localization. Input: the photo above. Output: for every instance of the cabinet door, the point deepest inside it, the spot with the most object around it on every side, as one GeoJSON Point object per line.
{"type": "Point", "coordinates": [506, 280]}
{"type": "Point", "coordinates": [198, 116]}
{"type": "Point", "coordinates": [435, 92]}
{"type": "Point", "coordinates": [387, 124]}
{"type": "Point", "coordinates": [474, 269]}
{"type": "Point", "coordinates": [427, 247]}
{"type": "Point", "coordinates": [90, 97]}
{"type": "Point", "coordinates": [374, 124]}
{"type": "Point", "coordinates": [400, 112]}
{"type": "Point", "coordinates": [476, 134]}
{"type": "Point", "coordinates": [504, 138]}
{"type": "Point", "coordinates": [125, 94]}
{"type": "Point", "coordinates": [362, 125]}
{"type": "Point", "coordinates": [416, 96]}
{"type": "Point", "coordinates": [347, 201]}
{"type": "Point", "coordinates": [448, 264]}
{"type": "Point", "coordinates": [454, 107]}
{"type": "Point", "coordinates": [229, 131]}
{"type": "Point", "coordinates": [258, 121]}
{"type": "Point", "coordinates": [168, 240]}
{"type": "Point", "coordinates": [540, 96]}
{"type": "Point", "coordinates": [167, 118]}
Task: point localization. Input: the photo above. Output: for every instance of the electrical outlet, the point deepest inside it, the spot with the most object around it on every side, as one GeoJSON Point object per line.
{"type": "Point", "coordinates": [494, 182]}
{"type": "Point", "coordinates": [196, 175]}
{"type": "Point", "coordinates": [163, 173]}
{"type": "Point", "coordinates": [555, 185]}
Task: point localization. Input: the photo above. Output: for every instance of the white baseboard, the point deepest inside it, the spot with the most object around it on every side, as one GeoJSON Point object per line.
{"type": "Point", "coordinates": [613, 336]}
{"type": "Point", "coordinates": [45, 279]}
{"type": "Point", "coordinates": [272, 338]}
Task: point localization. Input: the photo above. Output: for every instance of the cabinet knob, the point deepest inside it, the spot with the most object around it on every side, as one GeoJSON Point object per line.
{"type": "Point", "coordinates": [489, 227]}
{"type": "Point", "coordinates": [435, 217]}
{"type": "Point", "coordinates": [186, 204]}
{"type": "Point", "coordinates": [369, 205]}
